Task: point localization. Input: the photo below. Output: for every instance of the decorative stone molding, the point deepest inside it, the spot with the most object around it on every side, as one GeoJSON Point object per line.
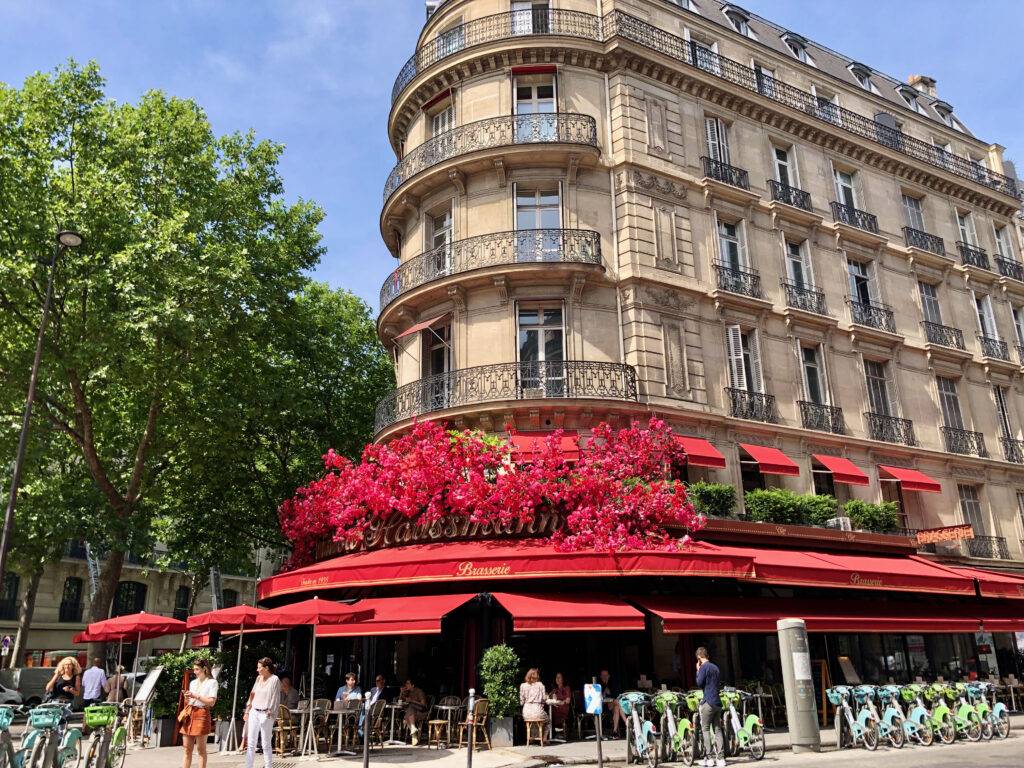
{"type": "Point", "coordinates": [633, 180]}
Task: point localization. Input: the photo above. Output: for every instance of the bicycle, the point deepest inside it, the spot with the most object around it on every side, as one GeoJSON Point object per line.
{"type": "Point", "coordinates": [918, 721]}
{"type": "Point", "coordinates": [863, 728]}
{"type": "Point", "coordinates": [108, 746]}
{"type": "Point", "coordinates": [739, 736]}
{"type": "Point", "coordinates": [642, 741]}
{"type": "Point", "coordinates": [890, 723]}
{"type": "Point", "coordinates": [939, 715]}
{"type": "Point", "coordinates": [51, 743]}
{"type": "Point", "coordinates": [9, 756]}
{"type": "Point", "coordinates": [965, 716]}
{"type": "Point", "coordinates": [675, 728]}
{"type": "Point", "coordinates": [995, 718]}
{"type": "Point", "coordinates": [692, 701]}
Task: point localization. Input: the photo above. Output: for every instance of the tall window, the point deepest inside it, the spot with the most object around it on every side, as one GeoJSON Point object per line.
{"type": "Point", "coordinates": [530, 17]}
{"type": "Point", "coordinates": [986, 318]}
{"type": "Point", "coordinates": [970, 506]}
{"type": "Point", "coordinates": [949, 403]}
{"type": "Point", "coordinates": [436, 350]}
{"type": "Point", "coordinates": [845, 193]}
{"type": "Point", "coordinates": [860, 281]}
{"type": "Point", "coordinates": [451, 39]}
{"type": "Point", "coordinates": [912, 213]}
{"type": "Point", "coordinates": [538, 208]}
{"type": "Point", "coordinates": [705, 56]}
{"type": "Point", "coordinates": [1004, 245]}
{"type": "Point", "coordinates": [542, 349]}
{"type": "Point", "coordinates": [798, 264]}
{"type": "Point", "coordinates": [71, 600]}
{"type": "Point", "coordinates": [535, 95]}
{"type": "Point", "coordinates": [930, 303]}
{"type": "Point", "coordinates": [744, 354]}
{"type": "Point", "coordinates": [876, 375]}
{"type": "Point", "coordinates": [965, 223]}
{"type": "Point", "coordinates": [441, 241]}
{"type": "Point", "coordinates": [717, 134]}
{"type": "Point", "coordinates": [1018, 324]}
{"type": "Point", "coordinates": [731, 250]}
{"type": "Point", "coordinates": [9, 596]}
{"type": "Point", "coordinates": [443, 120]}
{"type": "Point", "coordinates": [814, 378]}
{"type": "Point", "coordinates": [784, 171]}
{"type": "Point", "coordinates": [1002, 412]}
{"type": "Point", "coordinates": [181, 600]}
{"type": "Point", "coordinates": [130, 598]}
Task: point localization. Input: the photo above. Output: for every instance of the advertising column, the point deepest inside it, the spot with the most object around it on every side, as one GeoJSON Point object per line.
{"type": "Point", "coordinates": [801, 711]}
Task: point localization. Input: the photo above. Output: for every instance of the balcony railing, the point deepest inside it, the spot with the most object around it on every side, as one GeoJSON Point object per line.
{"type": "Point", "coordinates": [510, 130]}
{"type": "Point", "coordinates": [1010, 268]}
{"type": "Point", "coordinates": [802, 297]}
{"type": "Point", "coordinates": [756, 406]}
{"type": "Point", "coordinates": [964, 442]}
{"type": "Point", "coordinates": [917, 238]}
{"type": "Point", "coordinates": [743, 281]}
{"type": "Point", "coordinates": [575, 246]}
{"type": "Point", "coordinates": [725, 173]}
{"type": "Point", "coordinates": [995, 349]}
{"type": "Point", "coordinates": [824, 418]}
{"type": "Point", "coordinates": [873, 315]}
{"type": "Point", "coordinates": [943, 335]}
{"type": "Point", "coordinates": [70, 612]}
{"type": "Point", "coordinates": [616, 23]}
{"type": "Point", "coordinates": [990, 547]}
{"type": "Point", "coordinates": [1013, 449]}
{"type": "Point", "coordinates": [854, 217]}
{"type": "Point", "coordinates": [890, 429]}
{"type": "Point", "coordinates": [972, 256]}
{"type": "Point", "coordinates": [782, 193]}
{"type": "Point", "coordinates": [507, 381]}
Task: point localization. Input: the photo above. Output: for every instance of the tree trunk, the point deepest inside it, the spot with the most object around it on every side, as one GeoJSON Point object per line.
{"type": "Point", "coordinates": [197, 585]}
{"type": "Point", "coordinates": [25, 611]}
{"type": "Point", "coordinates": [99, 609]}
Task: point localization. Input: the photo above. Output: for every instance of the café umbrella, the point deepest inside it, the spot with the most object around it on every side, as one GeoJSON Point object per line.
{"type": "Point", "coordinates": [104, 637]}
{"type": "Point", "coordinates": [136, 626]}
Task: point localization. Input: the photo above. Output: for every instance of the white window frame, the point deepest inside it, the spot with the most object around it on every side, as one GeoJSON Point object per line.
{"type": "Point", "coordinates": [972, 500]}
{"type": "Point", "coordinates": [790, 164]}
{"type": "Point", "coordinates": [1003, 241]}
{"type": "Point", "coordinates": [823, 104]}
{"type": "Point", "coordinates": [949, 402]}
{"type": "Point", "coordinates": [929, 300]}
{"type": "Point", "coordinates": [798, 49]}
{"type": "Point", "coordinates": [1003, 412]}
{"type": "Point", "coordinates": [823, 385]}
{"type": "Point", "coordinates": [1018, 322]}
{"type": "Point", "coordinates": [868, 274]}
{"type": "Point", "coordinates": [913, 212]}
{"type": "Point", "coordinates": [447, 111]}
{"type": "Point", "coordinates": [716, 65]}
{"type": "Point", "coordinates": [836, 182]}
{"type": "Point", "coordinates": [740, 239]}
{"type": "Point", "coordinates": [967, 229]}
{"type": "Point", "coordinates": [985, 315]}
{"type": "Point", "coordinates": [717, 144]}
{"type": "Point", "coordinates": [803, 248]}
{"type": "Point", "coordinates": [741, 346]}
{"type": "Point", "coordinates": [891, 404]}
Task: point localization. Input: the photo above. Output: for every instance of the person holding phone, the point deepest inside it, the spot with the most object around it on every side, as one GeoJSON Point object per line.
{"type": "Point", "coordinates": [708, 679]}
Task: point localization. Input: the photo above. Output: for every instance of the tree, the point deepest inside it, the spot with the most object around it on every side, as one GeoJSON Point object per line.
{"type": "Point", "coordinates": [190, 255]}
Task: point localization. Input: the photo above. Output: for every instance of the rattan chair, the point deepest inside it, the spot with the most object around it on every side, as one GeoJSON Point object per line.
{"type": "Point", "coordinates": [481, 733]}
{"type": "Point", "coordinates": [322, 722]}
{"type": "Point", "coordinates": [375, 722]}
{"type": "Point", "coordinates": [285, 731]}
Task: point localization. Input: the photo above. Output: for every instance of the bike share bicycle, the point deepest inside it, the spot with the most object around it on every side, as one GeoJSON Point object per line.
{"type": "Point", "coordinates": [890, 723]}
{"type": "Point", "coordinates": [995, 719]}
{"type": "Point", "coordinates": [940, 716]}
{"type": "Point", "coordinates": [852, 730]}
{"type": "Point", "coordinates": [9, 756]}
{"type": "Point", "coordinates": [642, 742]}
{"type": "Point", "coordinates": [51, 743]}
{"type": "Point", "coordinates": [108, 746]}
{"type": "Point", "coordinates": [747, 734]}
{"type": "Point", "coordinates": [965, 716]}
{"type": "Point", "coordinates": [676, 730]}
{"type": "Point", "coordinates": [918, 723]}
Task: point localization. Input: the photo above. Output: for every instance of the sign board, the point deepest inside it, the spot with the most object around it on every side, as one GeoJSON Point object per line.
{"type": "Point", "coordinates": [948, 533]}
{"type": "Point", "coordinates": [145, 691]}
{"type": "Point", "coordinates": [5, 645]}
{"type": "Point", "coordinates": [216, 590]}
{"type": "Point", "coordinates": [592, 699]}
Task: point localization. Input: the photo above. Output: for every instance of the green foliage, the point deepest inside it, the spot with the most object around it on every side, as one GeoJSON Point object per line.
{"type": "Point", "coordinates": [252, 652]}
{"type": "Point", "coordinates": [776, 505]}
{"type": "Point", "coordinates": [499, 670]}
{"type": "Point", "coordinates": [712, 499]}
{"type": "Point", "coordinates": [818, 510]}
{"type": "Point", "coordinates": [880, 518]}
{"type": "Point", "coordinates": [168, 688]}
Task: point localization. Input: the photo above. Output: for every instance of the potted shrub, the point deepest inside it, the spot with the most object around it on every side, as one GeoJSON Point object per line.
{"type": "Point", "coordinates": [499, 671]}
{"type": "Point", "coordinates": [712, 499]}
{"type": "Point", "coordinates": [775, 505]}
{"type": "Point", "coordinates": [878, 518]}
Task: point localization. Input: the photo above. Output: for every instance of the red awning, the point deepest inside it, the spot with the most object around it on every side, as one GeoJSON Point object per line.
{"type": "Point", "coordinates": [681, 615]}
{"type": "Point", "coordinates": [533, 613]}
{"type": "Point", "coordinates": [701, 453]}
{"type": "Point", "coordinates": [528, 445]}
{"type": "Point", "coordinates": [771, 461]}
{"type": "Point", "coordinates": [421, 326]}
{"type": "Point", "coordinates": [399, 616]}
{"type": "Point", "coordinates": [843, 470]}
{"type": "Point", "coordinates": [911, 479]}
{"type": "Point", "coordinates": [1000, 618]}
{"type": "Point", "coordinates": [992, 583]}
{"type": "Point", "coordinates": [489, 561]}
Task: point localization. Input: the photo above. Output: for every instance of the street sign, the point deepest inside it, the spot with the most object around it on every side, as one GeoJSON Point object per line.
{"type": "Point", "coordinates": [5, 645]}
{"type": "Point", "coordinates": [592, 698]}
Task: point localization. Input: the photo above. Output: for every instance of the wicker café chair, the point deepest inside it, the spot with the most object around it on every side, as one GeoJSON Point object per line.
{"type": "Point", "coordinates": [285, 731]}
{"type": "Point", "coordinates": [438, 726]}
{"type": "Point", "coordinates": [481, 732]}
{"type": "Point", "coordinates": [375, 722]}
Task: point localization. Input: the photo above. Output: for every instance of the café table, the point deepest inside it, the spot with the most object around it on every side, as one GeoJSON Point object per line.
{"type": "Point", "coordinates": [394, 706]}
{"type": "Point", "coordinates": [448, 711]}
{"type": "Point", "coordinates": [552, 703]}
{"type": "Point", "coordinates": [303, 713]}
{"type": "Point", "coordinates": [349, 710]}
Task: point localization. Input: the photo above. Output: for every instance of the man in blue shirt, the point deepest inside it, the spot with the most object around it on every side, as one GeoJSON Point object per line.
{"type": "Point", "coordinates": [708, 676]}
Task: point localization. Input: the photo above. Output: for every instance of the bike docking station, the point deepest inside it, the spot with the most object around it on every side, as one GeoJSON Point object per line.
{"type": "Point", "coordinates": [593, 704]}
{"type": "Point", "coordinates": [801, 707]}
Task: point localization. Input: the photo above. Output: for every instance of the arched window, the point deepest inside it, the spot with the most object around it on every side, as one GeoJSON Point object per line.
{"type": "Point", "coordinates": [181, 600]}
{"type": "Point", "coordinates": [71, 600]}
{"type": "Point", "coordinates": [130, 598]}
{"type": "Point", "coordinates": [9, 596]}
{"type": "Point", "coordinates": [230, 598]}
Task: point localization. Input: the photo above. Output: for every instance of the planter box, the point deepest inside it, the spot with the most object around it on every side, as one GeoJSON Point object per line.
{"type": "Point", "coordinates": [501, 732]}
{"type": "Point", "coordinates": [162, 731]}
{"type": "Point", "coordinates": [222, 728]}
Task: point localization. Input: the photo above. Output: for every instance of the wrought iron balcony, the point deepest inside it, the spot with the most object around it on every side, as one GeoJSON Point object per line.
{"type": "Point", "coordinates": [507, 381]}
{"type": "Point", "coordinates": [943, 335]}
{"type": "Point", "coordinates": [802, 297]}
{"type": "Point", "coordinates": [70, 612]}
{"type": "Point", "coordinates": [567, 246]}
{"type": "Point", "coordinates": [510, 130]}
{"type": "Point", "coordinates": [783, 193]}
{"type": "Point", "coordinates": [1013, 450]}
{"type": "Point", "coordinates": [742, 281]}
{"type": "Point", "coordinates": [854, 217]}
{"type": "Point", "coordinates": [756, 406]}
{"type": "Point", "coordinates": [964, 442]}
{"type": "Point", "coordinates": [499, 26]}
{"type": "Point", "coordinates": [873, 315]}
{"type": "Point", "coordinates": [972, 256]}
{"type": "Point", "coordinates": [824, 418]}
{"type": "Point", "coordinates": [917, 238]}
{"type": "Point", "coordinates": [1010, 268]}
{"type": "Point", "coordinates": [890, 429]}
{"type": "Point", "coordinates": [990, 547]}
{"type": "Point", "coordinates": [725, 173]}
{"type": "Point", "coordinates": [993, 348]}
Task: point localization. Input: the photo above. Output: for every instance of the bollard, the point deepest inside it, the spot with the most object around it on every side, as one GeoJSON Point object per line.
{"type": "Point", "coordinates": [367, 725]}
{"type": "Point", "coordinates": [597, 730]}
{"type": "Point", "coordinates": [471, 727]}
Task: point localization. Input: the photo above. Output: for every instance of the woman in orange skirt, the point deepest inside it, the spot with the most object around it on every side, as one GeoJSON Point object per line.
{"type": "Point", "coordinates": [197, 725]}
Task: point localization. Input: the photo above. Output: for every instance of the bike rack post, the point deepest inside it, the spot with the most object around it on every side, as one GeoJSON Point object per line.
{"type": "Point", "coordinates": [366, 730]}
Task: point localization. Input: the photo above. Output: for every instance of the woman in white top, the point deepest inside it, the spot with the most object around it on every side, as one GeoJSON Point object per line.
{"type": "Point", "coordinates": [197, 725]}
{"type": "Point", "coordinates": [262, 709]}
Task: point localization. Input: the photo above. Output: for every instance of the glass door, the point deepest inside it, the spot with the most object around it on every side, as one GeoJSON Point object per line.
{"type": "Point", "coordinates": [530, 18]}
{"type": "Point", "coordinates": [783, 169]}
{"type": "Point", "coordinates": [542, 351]}
{"type": "Point", "coordinates": [535, 109]}
{"type": "Point", "coordinates": [441, 243]}
{"type": "Point", "coordinates": [844, 189]}
{"type": "Point", "coordinates": [436, 366]}
{"type": "Point", "coordinates": [538, 222]}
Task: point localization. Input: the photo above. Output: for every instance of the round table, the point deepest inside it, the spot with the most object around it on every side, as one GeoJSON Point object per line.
{"type": "Point", "coordinates": [394, 707]}
{"type": "Point", "coordinates": [552, 703]}
{"type": "Point", "coordinates": [349, 708]}
{"type": "Point", "coordinates": [303, 714]}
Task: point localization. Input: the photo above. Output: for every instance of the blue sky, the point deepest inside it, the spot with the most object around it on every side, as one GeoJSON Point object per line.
{"type": "Point", "coordinates": [317, 76]}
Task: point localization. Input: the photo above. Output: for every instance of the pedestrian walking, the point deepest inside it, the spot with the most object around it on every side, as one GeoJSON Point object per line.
{"type": "Point", "coordinates": [196, 723]}
{"type": "Point", "coordinates": [94, 680]}
{"type": "Point", "coordinates": [264, 700]}
{"type": "Point", "coordinates": [708, 676]}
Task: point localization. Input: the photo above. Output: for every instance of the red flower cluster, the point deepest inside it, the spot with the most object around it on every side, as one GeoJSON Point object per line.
{"type": "Point", "coordinates": [617, 496]}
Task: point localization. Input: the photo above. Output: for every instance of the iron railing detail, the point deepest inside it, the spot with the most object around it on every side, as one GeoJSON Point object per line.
{"type": "Point", "coordinates": [824, 418]}
{"type": "Point", "coordinates": [783, 193]}
{"type": "Point", "coordinates": [573, 24]}
{"type": "Point", "coordinates": [510, 130]}
{"type": "Point", "coordinates": [990, 547]}
{"type": "Point", "coordinates": [1010, 268]}
{"type": "Point", "coordinates": [756, 406]}
{"type": "Point", "coordinates": [802, 297]}
{"type": "Point", "coordinates": [890, 429]}
{"type": "Point", "coordinates": [973, 256]}
{"type": "Point", "coordinates": [943, 335]}
{"type": "Point", "coordinates": [997, 349]}
{"type": "Point", "coordinates": [1013, 449]}
{"type": "Point", "coordinates": [743, 281]}
{"type": "Point", "coordinates": [577, 246]}
{"type": "Point", "coordinates": [854, 217]}
{"type": "Point", "coordinates": [964, 442]}
{"type": "Point", "coordinates": [873, 315]}
{"type": "Point", "coordinates": [507, 381]}
{"type": "Point", "coordinates": [70, 612]}
{"type": "Point", "coordinates": [916, 238]}
{"type": "Point", "coordinates": [725, 173]}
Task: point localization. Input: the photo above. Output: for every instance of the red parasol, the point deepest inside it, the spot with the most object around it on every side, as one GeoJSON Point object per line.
{"type": "Point", "coordinates": [136, 626]}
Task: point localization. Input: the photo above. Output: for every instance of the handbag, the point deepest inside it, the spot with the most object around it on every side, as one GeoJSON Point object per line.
{"type": "Point", "coordinates": [185, 714]}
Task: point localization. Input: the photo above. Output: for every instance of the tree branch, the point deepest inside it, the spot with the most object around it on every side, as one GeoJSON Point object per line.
{"type": "Point", "coordinates": [138, 470]}
{"type": "Point", "coordinates": [83, 416]}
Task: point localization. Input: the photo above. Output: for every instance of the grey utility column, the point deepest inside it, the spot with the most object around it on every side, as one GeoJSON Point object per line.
{"type": "Point", "coordinates": [801, 709]}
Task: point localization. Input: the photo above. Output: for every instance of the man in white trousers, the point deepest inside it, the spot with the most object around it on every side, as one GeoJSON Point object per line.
{"type": "Point", "coordinates": [262, 709]}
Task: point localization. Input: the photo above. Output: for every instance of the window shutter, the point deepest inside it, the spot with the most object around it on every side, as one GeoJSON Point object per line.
{"type": "Point", "coordinates": [757, 385]}
{"type": "Point", "coordinates": [890, 390]}
{"type": "Point", "coordinates": [711, 131]}
{"type": "Point", "coordinates": [990, 317]}
{"type": "Point", "coordinates": [741, 237]}
{"type": "Point", "coordinates": [734, 349]}
{"type": "Point", "coordinates": [805, 259]}
{"type": "Point", "coordinates": [872, 283]}
{"type": "Point", "coordinates": [723, 140]}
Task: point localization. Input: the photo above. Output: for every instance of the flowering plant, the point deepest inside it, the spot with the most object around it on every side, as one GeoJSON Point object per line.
{"type": "Point", "coordinates": [618, 495]}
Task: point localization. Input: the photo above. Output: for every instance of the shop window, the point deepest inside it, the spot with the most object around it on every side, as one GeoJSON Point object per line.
{"type": "Point", "coordinates": [750, 476]}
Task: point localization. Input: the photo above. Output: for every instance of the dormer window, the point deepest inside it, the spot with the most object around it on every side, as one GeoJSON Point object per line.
{"type": "Point", "coordinates": [945, 113]}
{"type": "Point", "coordinates": [739, 19]}
{"type": "Point", "coordinates": [798, 47]}
{"type": "Point", "coordinates": [909, 95]}
{"type": "Point", "coordinates": [862, 75]}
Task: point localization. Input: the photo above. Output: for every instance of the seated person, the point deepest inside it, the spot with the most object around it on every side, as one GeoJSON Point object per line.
{"type": "Point", "coordinates": [563, 695]}
{"type": "Point", "coordinates": [349, 690]}
{"type": "Point", "coordinates": [415, 709]}
{"type": "Point", "coordinates": [289, 694]}
{"type": "Point", "coordinates": [610, 702]}
{"type": "Point", "coordinates": [532, 697]}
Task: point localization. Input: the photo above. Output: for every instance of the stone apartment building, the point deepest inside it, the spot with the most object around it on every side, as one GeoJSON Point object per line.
{"type": "Point", "coordinates": [606, 209]}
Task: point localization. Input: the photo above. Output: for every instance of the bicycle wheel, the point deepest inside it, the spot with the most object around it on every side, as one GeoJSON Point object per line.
{"type": "Point", "coordinates": [925, 734]}
{"type": "Point", "coordinates": [651, 753]}
{"type": "Point", "coordinates": [77, 760]}
{"type": "Point", "coordinates": [897, 735]}
{"type": "Point", "coordinates": [36, 756]}
{"type": "Point", "coordinates": [6, 750]}
{"type": "Point", "coordinates": [987, 729]}
{"type": "Point", "coordinates": [973, 729]}
{"type": "Point", "coordinates": [870, 736]}
{"type": "Point", "coordinates": [94, 750]}
{"type": "Point", "coordinates": [1002, 727]}
{"type": "Point", "coordinates": [947, 729]}
{"type": "Point", "coordinates": [118, 748]}
{"type": "Point", "coordinates": [688, 748]}
{"type": "Point", "coordinates": [757, 743]}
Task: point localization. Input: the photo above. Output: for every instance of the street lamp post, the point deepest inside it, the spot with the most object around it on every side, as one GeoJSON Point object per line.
{"type": "Point", "coordinates": [65, 239]}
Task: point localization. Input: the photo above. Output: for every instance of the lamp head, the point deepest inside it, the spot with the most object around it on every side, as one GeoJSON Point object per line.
{"type": "Point", "coordinates": [69, 238]}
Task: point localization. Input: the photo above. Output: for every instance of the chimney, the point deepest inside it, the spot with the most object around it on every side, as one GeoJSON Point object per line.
{"type": "Point", "coordinates": [923, 83]}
